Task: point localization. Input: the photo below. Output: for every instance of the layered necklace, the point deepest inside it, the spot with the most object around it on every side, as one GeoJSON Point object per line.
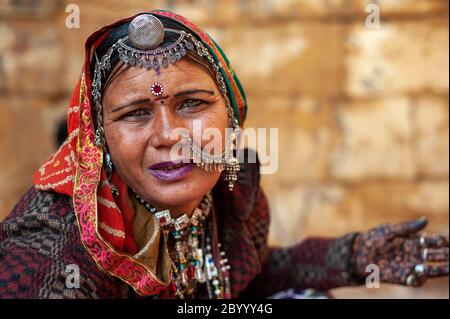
{"type": "Point", "coordinates": [194, 262]}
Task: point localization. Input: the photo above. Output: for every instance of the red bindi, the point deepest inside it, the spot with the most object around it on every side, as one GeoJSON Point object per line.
{"type": "Point", "coordinates": [157, 89]}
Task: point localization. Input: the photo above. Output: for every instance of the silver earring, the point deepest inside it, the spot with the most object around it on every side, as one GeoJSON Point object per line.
{"type": "Point", "coordinates": [231, 171]}
{"type": "Point", "coordinates": [232, 166]}
{"type": "Point", "coordinates": [108, 165]}
{"type": "Point", "coordinates": [109, 169]}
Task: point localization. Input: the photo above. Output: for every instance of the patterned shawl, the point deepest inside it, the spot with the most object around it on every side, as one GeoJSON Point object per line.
{"type": "Point", "coordinates": [76, 169]}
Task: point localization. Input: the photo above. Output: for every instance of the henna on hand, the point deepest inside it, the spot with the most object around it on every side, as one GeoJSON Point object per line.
{"type": "Point", "coordinates": [402, 254]}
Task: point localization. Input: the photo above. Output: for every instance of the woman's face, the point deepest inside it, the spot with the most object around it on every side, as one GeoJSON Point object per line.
{"type": "Point", "coordinates": [138, 126]}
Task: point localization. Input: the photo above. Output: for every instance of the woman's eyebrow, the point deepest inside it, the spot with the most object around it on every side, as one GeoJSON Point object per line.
{"type": "Point", "coordinates": [143, 101]}
{"type": "Point", "coordinates": [136, 102]}
{"type": "Point", "coordinates": [187, 92]}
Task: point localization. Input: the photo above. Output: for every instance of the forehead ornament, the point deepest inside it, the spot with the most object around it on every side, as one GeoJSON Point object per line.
{"type": "Point", "coordinates": [146, 34]}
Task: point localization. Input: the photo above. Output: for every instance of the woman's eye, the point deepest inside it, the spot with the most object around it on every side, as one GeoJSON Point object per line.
{"type": "Point", "coordinates": [137, 113]}
{"type": "Point", "coordinates": [191, 103]}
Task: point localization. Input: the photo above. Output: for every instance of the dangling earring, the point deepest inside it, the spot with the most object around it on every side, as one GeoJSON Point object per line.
{"type": "Point", "coordinates": [108, 165]}
{"type": "Point", "coordinates": [231, 170]}
{"type": "Point", "coordinates": [232, 166]}
{"type": "Point", "coordinates": [109, 169]}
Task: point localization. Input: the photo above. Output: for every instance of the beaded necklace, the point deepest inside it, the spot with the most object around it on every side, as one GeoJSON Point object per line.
{"type": "Point", "coordinates": [194, 262]}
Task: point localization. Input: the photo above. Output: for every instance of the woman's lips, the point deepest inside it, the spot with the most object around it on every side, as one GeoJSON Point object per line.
{"type": "Point", "coordinates": [169, 164]}
{"type": "Point", "coordinates": [171, 171]}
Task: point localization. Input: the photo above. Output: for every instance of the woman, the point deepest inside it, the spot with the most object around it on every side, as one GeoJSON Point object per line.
{"type": "Point", "coordinates": [119, 212]}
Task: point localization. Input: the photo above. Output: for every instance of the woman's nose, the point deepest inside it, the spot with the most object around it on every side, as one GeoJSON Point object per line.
{"type": "Point", "coordinates": [164, 123]}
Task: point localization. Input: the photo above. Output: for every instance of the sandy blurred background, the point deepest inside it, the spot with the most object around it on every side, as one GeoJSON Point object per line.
{"type": "Point", "coordinates": [362, 112]}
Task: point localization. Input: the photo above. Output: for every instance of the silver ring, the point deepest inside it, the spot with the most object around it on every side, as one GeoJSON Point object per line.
{"type": "Point", "coordinates": [425, 254]}
{"type": "Point", "coordinates": [419, 268]}
{"type": "Point", "coordinates": [422, 241]}
{"type": "Point", "coordinates": [411, 279]}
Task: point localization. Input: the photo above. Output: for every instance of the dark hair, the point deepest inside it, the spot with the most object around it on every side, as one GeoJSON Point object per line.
{"type": "Point", "coordinates": [122, 31]}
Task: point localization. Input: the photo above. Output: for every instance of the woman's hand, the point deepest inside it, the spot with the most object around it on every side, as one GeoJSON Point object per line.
{"type": "Point", "coordinates": [401, 253]}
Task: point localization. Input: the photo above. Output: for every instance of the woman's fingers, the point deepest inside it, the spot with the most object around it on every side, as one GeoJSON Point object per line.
{"type": "Point", "coordinates": [435, 254]}
{"type": "Point", "coordinates": [408, 228]}
{"type": "Point", "coordinates": [421, 272]}
{"type": "Point", "coordinates": [436, 271]}
{"type": "Point", "coordinates": [414, 279]}
{"type": "Point", "coordinates": [435, 241]}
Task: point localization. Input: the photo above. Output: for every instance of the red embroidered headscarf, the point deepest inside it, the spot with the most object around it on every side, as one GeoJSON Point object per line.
{"type": "Point", "coordinates": [76, 169]}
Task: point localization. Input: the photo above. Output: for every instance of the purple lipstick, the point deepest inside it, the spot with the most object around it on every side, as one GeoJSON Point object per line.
{"type": "Point", "coordinates": [171, 171]}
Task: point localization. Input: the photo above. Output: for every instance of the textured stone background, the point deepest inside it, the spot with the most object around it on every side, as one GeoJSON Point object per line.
{"type": "Point", "coordinates": [362, 113]}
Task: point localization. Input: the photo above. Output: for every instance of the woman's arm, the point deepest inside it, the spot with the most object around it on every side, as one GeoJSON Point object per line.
{"type": "Point", "coordinates": [398, 251]}
{"type": "Point", "coordinates": [320, 263]}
